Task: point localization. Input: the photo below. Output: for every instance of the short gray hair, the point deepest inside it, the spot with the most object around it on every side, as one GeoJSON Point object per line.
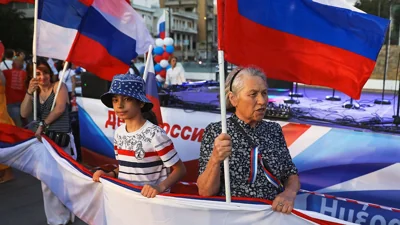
{"type": "Point", "coordinates": [238, 85]}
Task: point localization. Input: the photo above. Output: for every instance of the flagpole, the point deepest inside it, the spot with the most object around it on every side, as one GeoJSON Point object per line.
{"type": "Point", "coordinates": [146, 67]}
{"type": "Point", "coordinates": [60, 84]}
{"type": "Point", "coordinates": [167, 24]}
{"type": "Point", "coordinates": [222, 98]}
{"type": "Point", "coordinates": [34, 46]}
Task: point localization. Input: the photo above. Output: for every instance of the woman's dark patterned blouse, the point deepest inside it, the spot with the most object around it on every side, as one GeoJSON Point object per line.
{"type": "Point", "coordinates": [272, 147]}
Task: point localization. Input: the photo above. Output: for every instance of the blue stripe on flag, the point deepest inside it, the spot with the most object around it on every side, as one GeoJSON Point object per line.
{"type": "Point", "coordinates": [356, 32]}
{"type": "Point", "coordinates": [118, 44]}
{"type": "Point", "coordinates": [161, 27]}
{"type": "Point", "coordinates": [64, 13]}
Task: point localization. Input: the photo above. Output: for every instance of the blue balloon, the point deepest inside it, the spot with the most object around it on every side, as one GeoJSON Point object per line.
{"type": "Point", "coordinates": [169, 66]}
{"type": "Point", "coordinates": [170, 49]}
{"type": "Point", "coordinates": [158, 50]}
{"type": "Point", "coordinates": [157, 68]}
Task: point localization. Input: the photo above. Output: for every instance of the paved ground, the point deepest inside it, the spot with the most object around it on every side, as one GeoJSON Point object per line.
{"type": "Point", "coordinates": [21, 202]}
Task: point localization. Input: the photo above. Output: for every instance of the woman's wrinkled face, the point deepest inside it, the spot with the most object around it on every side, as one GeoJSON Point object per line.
{"type": "Point", "coordinates": [43, 75]}
{"type": "Point", "coordinates": [251, 102]}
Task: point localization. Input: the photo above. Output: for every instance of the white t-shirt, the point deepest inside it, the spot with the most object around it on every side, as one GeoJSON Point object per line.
{"type": "Point", "coordinates": [175, 76]}
{"type": "Point", "coordinates": [150, 142]}
{"type": "Point", "coordinates": [69, 73]}
{"type": "Point", "coordinates": [3, 65]}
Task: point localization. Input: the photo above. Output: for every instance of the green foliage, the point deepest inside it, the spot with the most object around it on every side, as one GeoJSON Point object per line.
{"type": "Point", "coordinates": [381, 8]}
{"type": "Point", "coordinates": [16, 32]}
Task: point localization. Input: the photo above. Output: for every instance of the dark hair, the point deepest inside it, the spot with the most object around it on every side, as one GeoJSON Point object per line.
{"type": "Point", "coordinates": [150, 116]}
{"type": "Point", "coordinates": [39, 61]}
{"type": "Point", "coordinates": [172, 57]}
{"type": "Point", "coordinates": [9, 53]}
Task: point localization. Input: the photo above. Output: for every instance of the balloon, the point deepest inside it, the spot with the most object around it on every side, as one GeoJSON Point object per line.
{"type": "Point", "coordinates": [164, 63]}
{"type": "Point", "coordinates": [158, 50]}
{"type": "Point", "coordinates": [165, 55]}
{"type": "Point", "coordinates": [168, 41]}
{"type": "Point", "coordinates": [160, 78]}
{"type": "Point", "coordinates": [159, 42]}
{"type": "Point", "coordinates": [168, 67]}
{"type": "Point", "coordinates": [170, 49]}
{"type": "Point", "coordinates": [157, 68]}
{"type": "Point", "coordinates": [158, 58]}
{"type": "Point", "coordinates": [163, 73]}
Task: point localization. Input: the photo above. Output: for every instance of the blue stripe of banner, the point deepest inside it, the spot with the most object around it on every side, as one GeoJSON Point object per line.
{"type": "Point", "coordinates": [359, 33]}
{"type": "Point", "coordinates": [118, 44]}
{"type": "Point", "coordinates": [64, 13]}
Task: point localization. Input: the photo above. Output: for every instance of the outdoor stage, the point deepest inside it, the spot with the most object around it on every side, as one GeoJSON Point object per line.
{"type": "Point", "coordinates": [312, 108]}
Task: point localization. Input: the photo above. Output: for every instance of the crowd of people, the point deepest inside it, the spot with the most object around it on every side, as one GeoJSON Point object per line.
{"type": "Point", "coordinates": [146, 155]}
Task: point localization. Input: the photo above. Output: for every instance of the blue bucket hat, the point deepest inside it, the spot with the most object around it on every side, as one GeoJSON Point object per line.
{"type": "Point", "coordinates": [128, 85]}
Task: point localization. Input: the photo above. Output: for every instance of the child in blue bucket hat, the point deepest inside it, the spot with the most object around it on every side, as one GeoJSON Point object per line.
{"type": "Point", "coordinates": [144, 151]}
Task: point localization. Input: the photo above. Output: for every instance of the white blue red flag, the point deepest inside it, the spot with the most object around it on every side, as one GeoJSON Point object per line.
{"type": "Point", "coordinates": [318, 42]}
{"type": "Point", "coordinates": [151, 89]}
{"type": "Point", "coordinates": [161, 26]}
{"type": "Point", "coordinates": [101, 36]}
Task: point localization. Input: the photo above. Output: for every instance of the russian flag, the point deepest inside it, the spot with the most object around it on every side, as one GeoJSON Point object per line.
{"type": "Point", "coordinates": [318, 42]}
{"type": "Point", "coordinates": [151, 89]}
{"type": "Point", "coordinates": [161, 26]}
{"type": "Point", "coordinates": [8, 1]}
{"type": "Point", "coordinates": [101, 36]}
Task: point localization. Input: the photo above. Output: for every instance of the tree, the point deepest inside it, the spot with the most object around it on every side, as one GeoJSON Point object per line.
{"type": "Point", "coordinates": [16, 32]}
{"type": "Point", "coordinates": [381, 8]}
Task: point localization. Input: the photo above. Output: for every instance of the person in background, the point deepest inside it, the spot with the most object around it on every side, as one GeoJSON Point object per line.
{"type": "Point", "coordinates": [54, 123]}
{"type": "Point", "coordinates": [175, 74]}
{"type": "Point", "coordinates": [6, 64]}
{"type": "Point", "coordinates": [69, 80]}
{"type": "Point", "coordinates": [5, 171]}
{"type": "Point", "coordinates": [52, 66]}
{"type": "Point", "coordinates": [15, 89]}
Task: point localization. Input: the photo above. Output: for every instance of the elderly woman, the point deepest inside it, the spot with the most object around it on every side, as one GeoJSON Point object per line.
{"type": "Point", "coordinates": [55, 124]}
{"type": "Point", "coordinates": [256, 149]}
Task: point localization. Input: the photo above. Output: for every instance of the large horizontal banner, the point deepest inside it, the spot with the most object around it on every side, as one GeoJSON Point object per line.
{"type": "Point", "coordinates": [116, 202]}
{"type": "Point", "coordinates": [340, 162]}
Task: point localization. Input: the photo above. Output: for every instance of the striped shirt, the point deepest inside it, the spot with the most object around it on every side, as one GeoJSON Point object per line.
{"type": "Point", "coordinates": [62, 123]}
{"type": "Point", "coordinates": [144, 156]}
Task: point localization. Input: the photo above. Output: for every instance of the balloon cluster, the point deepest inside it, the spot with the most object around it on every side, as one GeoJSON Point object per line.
{"type": "Point", "coordinates": [163, 51]}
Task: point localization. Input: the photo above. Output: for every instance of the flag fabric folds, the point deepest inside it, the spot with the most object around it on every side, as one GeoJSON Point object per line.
{"type": "Point", "coordinates": [161, 26]}
{"type": "Point", "coordinates": [317, 42]}
{"type": "Point", "coordinates": [8, 1]}
{"type": "Point", "coordinates": [117, 202]}
{"type": "Point", "coordinates": [99, 35]}
{"type": "Point", "coordinates": [151, 89]}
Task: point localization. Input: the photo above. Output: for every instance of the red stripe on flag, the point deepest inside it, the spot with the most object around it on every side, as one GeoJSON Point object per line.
{"type": "Point", "coordinates": [92, 56]}
{"type": "Point", "coordinates": [292, 132]}
{"type": "Point", "coordinates": [165, 150]}
{"type": "Point", "coordinates": [288, 57]}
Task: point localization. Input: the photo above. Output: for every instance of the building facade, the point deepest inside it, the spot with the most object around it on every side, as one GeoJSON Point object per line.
{"type": "Point", "coordinates": [205, 42]}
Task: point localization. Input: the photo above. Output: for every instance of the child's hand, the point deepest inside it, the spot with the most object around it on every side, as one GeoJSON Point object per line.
{"type": "Point", "coordinates": [149, 191]}
{"type": "Point", "coordinates": [97, 175]}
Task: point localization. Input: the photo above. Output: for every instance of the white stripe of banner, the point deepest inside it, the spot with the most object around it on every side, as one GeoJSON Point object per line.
{"type": "Point", "coordinates": [340, 4]}
{"type": "Point", "coordinates": [307, 139]}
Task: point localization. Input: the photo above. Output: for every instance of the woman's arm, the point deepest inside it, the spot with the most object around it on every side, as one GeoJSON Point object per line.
{"type": "Point", "coordinates": [61, 104]}
{"type": "Point", "coordinates": [26, 105]}
{"type": "Point", "coordinates": [209, 180]}
{"type": "Point", "coordinates": [182, 75]}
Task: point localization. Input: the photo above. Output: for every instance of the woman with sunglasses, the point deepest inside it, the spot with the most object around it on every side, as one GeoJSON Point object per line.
{"type": "Point", "coordinates": [259, 162]}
